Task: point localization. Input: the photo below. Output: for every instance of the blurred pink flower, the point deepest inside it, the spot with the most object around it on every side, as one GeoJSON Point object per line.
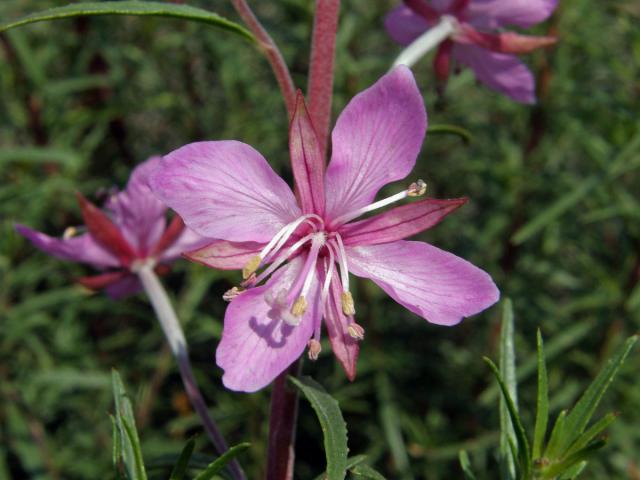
{"type": "Point", "coordinates": [133, 230]}
{"type": "Point", "coordinates": [466, 37]}
{"type": "Point", "coordinates": [308, 245]}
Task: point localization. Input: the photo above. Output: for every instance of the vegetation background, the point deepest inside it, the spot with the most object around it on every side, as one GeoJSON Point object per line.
{"type": "Point", "coordinates": [553, 216]}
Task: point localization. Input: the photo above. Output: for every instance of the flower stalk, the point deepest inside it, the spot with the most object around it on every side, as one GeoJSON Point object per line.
{"type": "Point", "coordinates": [427, 41]}
{"type": "Point", "coordinates": [175, 337]}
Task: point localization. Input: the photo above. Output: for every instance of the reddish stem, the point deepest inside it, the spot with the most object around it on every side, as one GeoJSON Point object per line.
{"type": "Point", "coordinates": [323, 49]}
{"type": "Point", "coordinates": [282, 426]}
{"type": "Point", "coordinates": [270, 49]}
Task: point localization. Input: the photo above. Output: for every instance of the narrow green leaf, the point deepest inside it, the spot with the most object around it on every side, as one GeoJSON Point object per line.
{"type": "Point", "coordinates": [597, 428]}
{"type": "Point", "coordinates": [465, 464]}
{"type": "Point", "coordinates": [116, 453]}
{"type": "Point", "coordinates": [183, 461]}
{"type": "Point", "coordinates": [581, 414]}
{"type": "Point", "coordinates": [365, 471]}
{"type": "Point", "coordinates": [524, 454]}
{"type": "Point", "coordinates": [446, 129]}
{"type": "Point", "coordinates": [508, 374]}
{"type": "Point", "coordinates": [542, 403]}
{"type": "Point", "coordinates": [351, 462]}
{"type": "Point", "coordinates": [556, 435]}
{"type": "Point", "coordinates": [129, 447]}
{"type": "Point", "coordinates": [557, 469]}
{"type": "Point", "coordinates": [333, 426]}
{"type": "Point", "coordinates": [573, 472]}
{"type": "Point", "coordinates": [216, 467]}
{"type": "Point", "coordinates": [132, 437]}
{"type": "Point", "coordinates": [156, 9]}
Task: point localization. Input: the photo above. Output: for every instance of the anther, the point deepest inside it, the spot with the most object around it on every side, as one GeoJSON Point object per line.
{"type": "Point", "coordinates": [232, 293]}
{"type": "Point", "coordinates": [348, 308]}
{"type": "Point", "coordinates": [417, 189]}
{"type": "Point", "coordinates": [69, 232]}
{"type": "Point", "coordinates": [314, 349]}
{"type": "Point", "coordinates": [356, 331]}
{"type": "Point", "coordinates": [299, 306]}
{"type": "Point", "coordinates": [251, 266]}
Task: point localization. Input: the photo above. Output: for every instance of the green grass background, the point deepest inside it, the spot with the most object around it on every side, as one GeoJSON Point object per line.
{"type": "Point", "coordinates": [553, 215]}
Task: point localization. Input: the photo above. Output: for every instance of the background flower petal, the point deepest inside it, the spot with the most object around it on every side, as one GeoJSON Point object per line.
{"type": "Point", "coordinates": [137, 211]}
{"type": "Point", "coordinates": [255, 348]}
{"type": "Point", "coordinates": [225, 190]}
{"type": "Point", "coordinates": [376, 140]}
{"type": "Point", "coordinates": [403, 25]}
{"type": "Point", "coordinates": [501, 72]}
{"type": "Point", "coordinates": [81, 248]}
{"type": "Point", "coordinates": [498, 13]}
{"type": "Point", "coordinates": [430, 282]}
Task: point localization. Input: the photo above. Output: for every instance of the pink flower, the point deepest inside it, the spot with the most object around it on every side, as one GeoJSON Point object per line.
{"type": "Point", "coordinates": [136, 232]}
{"type": "Point", "coordinates": [307, 244]}
{"type": "Point", "coordinates": [465, 27]}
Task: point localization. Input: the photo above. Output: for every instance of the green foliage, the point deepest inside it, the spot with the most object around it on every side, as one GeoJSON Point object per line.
{"type": "Point", "coordinates": [571, 443]}
{"type": "Point", "coordinates": [142, 8]}
{"type": "Point", "coordinates": [334, 429]}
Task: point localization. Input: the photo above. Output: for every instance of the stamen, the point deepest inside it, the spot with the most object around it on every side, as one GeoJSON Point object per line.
{"type": "Point", "coordinates": [299, 306]}
{"type": "Point", "coordinates": [69, 232]}
{"type": "Point", "coordinates": [232, 293]}
{"type": "Point", "coordinates": [356, 331]}
{"type": "Point", "coordinates": [314, 349]}
{"type": "Point", "coordinates": [277, 242]}
{"type": "Point", "coordinates": [342, 261]}
{"type": "Point", "coordinates": [414, 190]}
{"type": "Point", "coordinates": [308, 273]}
{"type": "Point", "coordinates": [283, 258]}
{"type": "Point", "coordinates": [251, 266]}
{"type": "Point", "coordinates": [348, 308]}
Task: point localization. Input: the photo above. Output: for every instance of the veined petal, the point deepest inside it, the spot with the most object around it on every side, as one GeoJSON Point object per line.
{"type": "Point", "coordinates": [498, 71]}
{"type": "Point", "coordinates": [344, 346]}
{"type": "Point", "coordinates": [400, 222]}
{"type": "Point", "coordinates": [82, 248]}
{"type": "Point", "coordinates": [137, 211]}
{"type": "Point", "coordinates": [306, 160]}
{"type": "Point", "coordinates": [430, 282]}
{"type": "Point", "coordinates": [498, 13]}
{"type": "Point", "coordinates": [376, 140]}
{"type": "Point", "coordinates": [225, 190]}
{"type": "Point", "coordinates": [225, 255]}
{"type": "Point", "coordinates": [404, 25]}
{"type": "Point", "coordinates": [255, 347]}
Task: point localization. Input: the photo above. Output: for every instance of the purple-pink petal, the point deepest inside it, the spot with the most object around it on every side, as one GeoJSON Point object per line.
{"type": "Point", "coordinates": [403, 25]}
{"type": "Point", "coordinates": [498, 13]}
{"type": "Point", "coordinates": [225, 190]}
{"type": "Point", "coordinates": [498, 71]}
{"type": "Point", "coordinates": [344, 346]}
{"type": "Point", "coordinates": [82, 248]}
{"type": "Point", "coordinates": [256, 346]}
{"type": "Point", "coordinates": [376, 140]}
{"type": "Point", "coordinates": [225, 255]}
{"type": "Point", "coordinates": [307, 161]}
{"type": "Point", "coordinates": [400, 222]}
{"type": "Point", "coordinates": [129, 285]}
{"type": "Point", "coordinates": [139, 214]}
{"type": "Point", "coordinates": [430, 282]}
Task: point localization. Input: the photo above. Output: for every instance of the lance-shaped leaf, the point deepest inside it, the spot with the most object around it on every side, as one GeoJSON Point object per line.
{"type": "Point", "coordinates": [333, 426]}
{"type": "Point", "coordinates": [508, 373]}
{"type": "Point", "coordinates": [465, 464]}
{"type": "Point", "coordinates": [217, 465]}
{"type": "Point", "coordinates": [182, 464]}
{"type": "Point", "coordinates": [154, 9]}
{"type": "Point", "coordinates": [542, 403]}
{"type": "Point", "coordinates": [127, 444]}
